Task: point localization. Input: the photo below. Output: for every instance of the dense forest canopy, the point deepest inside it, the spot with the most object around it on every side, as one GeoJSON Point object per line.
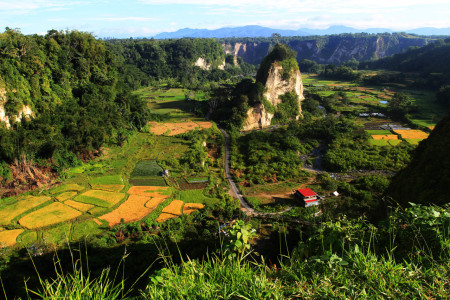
{"type": "Point", "coordinates": [66, 79]}
{"type": "Point", "coordinates": [159, 59]}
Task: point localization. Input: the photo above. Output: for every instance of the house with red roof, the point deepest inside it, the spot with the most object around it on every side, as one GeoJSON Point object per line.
{"type": "Point", "coordinates": [307, 196]}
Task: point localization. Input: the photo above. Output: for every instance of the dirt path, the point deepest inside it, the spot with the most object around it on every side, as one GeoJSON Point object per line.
{"type": "Point", "coordinates": [244, 205]}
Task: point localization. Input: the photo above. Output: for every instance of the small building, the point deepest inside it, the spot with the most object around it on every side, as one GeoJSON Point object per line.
{"type": "Point", "coordinates": [307, 197]}
{"type": "Point", "coordinates": [165, 173]}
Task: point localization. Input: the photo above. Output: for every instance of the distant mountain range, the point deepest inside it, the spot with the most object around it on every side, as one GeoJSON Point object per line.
{"type": "Point", "coordinates": [259, 31]}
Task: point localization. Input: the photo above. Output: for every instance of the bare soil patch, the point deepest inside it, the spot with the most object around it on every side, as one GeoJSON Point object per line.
{"type": "Point", "coordinates": [172, 129]}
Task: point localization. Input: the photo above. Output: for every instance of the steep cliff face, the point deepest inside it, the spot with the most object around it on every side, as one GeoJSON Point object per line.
{"type": "Point", "coordinates": [276, 86]}
{"type": "Point", "coordinates": [283, 89]}
{"type": "Point", "coordinates": [330, 49]}
{"type": "Point", "coordinates": [250, 52]}
{"type": "Point", "coordinates": [257, 117]}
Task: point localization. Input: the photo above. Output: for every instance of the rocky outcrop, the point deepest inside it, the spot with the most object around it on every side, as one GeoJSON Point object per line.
{"type": "Point", "coordinates": [25, 111]}
{"type": "Point", "coordinates": [277, 86]}
{"type": "Point", "coordinates": [201, 63]}
{"type": "Point", "coordinates": [257, 117]}
{"type": "Point", "coordinates": [252, 53]}
{"type": "Point", "coordinates": [282, 81]}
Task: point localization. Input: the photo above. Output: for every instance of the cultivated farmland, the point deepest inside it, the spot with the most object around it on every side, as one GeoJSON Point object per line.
{"type": "Point", "coordinates": [172, 129]}
{"type": "Point", "coordinates": [172, 210]}
{"type": "Point", "coordinates": [8, 237]}
{"type": "Point", "coordinates": [49, 215]}
{"type": "Point", "coordinates": [10, 211]}
{"type": "Point", "coordinates": [100, 198]}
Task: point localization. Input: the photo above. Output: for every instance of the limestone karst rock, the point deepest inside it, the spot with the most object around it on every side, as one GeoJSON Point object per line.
{"type": "Point", "coordinates": [280, 76]}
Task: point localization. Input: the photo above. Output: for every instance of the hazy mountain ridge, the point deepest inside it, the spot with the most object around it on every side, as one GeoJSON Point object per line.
{"type": "Point", "coordinates": [260, 31]}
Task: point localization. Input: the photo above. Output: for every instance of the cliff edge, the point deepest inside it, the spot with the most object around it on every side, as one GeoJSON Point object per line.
{"type": "Point", "coordinates": [280, 76]}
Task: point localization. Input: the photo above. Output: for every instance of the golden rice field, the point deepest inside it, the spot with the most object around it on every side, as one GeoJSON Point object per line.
{"type": "Point", "coordinates": [10, 211]}
{"type": "Point", "coordinates": [142, 201]}
{"type": "Point", "coordinates": [133, 209]}
{"type": "Point", "coordinates": [108, 187]}
{"type": "Point", "coordinates": [177, 128]}
{"type": "Point", "coordinates": [189, 208]}
{"type": "Point", "coordinates": [97, 221]}
{"type": "Point", "coordinates": [145, 190]}
{"type": "Point", "coordinates": [79, 206]}
{"type": "Point", "coordinates": [100, 198]}
{"type": "Point", "coordinates": [49, 215]}
{"type": "Point", "coordinates": [412, 134]}
{"type": "Point", "coordinates": [385, 137]}
{"type": "Point", "coordinates": [172, 210]}
{"type": "Point", "coordinates": [8, 238]}
{"type": "Point", "coordinates": [66, 195]}
{"type": "Point", "coordinates": [155, 201]}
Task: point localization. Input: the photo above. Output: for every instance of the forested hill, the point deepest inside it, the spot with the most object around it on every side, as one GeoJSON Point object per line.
{"type": "Point", "coordinates": [68, 85]}
{"type": "Point", "coordinates": [192, 62]}
{"type": "Point", "coordinates": [433, 58]}
{"type": "Point", "coordinates": [334, 49]}
{"type": "Point", "coordinates": [426, 180]}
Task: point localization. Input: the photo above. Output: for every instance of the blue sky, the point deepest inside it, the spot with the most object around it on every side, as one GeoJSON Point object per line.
{"type": "Point", "coordinates": [145, 18]}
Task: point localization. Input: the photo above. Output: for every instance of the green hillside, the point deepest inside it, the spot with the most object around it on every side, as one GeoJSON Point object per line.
{"type": "Point", "coordinates": [426, 180]}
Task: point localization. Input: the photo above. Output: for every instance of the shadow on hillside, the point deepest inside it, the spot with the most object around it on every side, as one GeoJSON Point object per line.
{"type": "Point", "coordinates": [139, 257]}
{"type": "Point", "coordinates": [280, 201]}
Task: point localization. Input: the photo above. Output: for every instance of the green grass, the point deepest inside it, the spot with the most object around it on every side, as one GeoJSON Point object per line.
{"type": "Point", "coordinates": [195, 196]}
{"type": "Point", "coordinates": [414, 142]}
{"type": "Point", "coordinates": [379, 142]}
{"type": "Point", "coordinates": [394, 142]}
{"type": "Point", "coordinates": [146, 168]}
{"type": "Point", "coordinates": [27, 238]}
{"type": "Point", "coordinates": [148, 181]}
{"type": "Point", "coordinates": [107, 180]}
{"type": "Point", "coordinates": [93, 201]}
{"type": "Point", "coordinates": [197, 179]}
{"type": "Point", "coordinates": [67, 187]}
{"type": "Point", "coordinates": [272, 188]}
{"type": "Point", "coordinates": [97, 211]}
{"type": "Point", "coordinates": [85, 230]}
{"type": "Point", "coordinates": [57, 235]}
{"type": "Point", "coordinates": [378, 132]}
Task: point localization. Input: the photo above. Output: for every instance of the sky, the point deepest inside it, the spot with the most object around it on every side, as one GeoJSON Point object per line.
{"type": "Point", "coordinates": [145, 18]}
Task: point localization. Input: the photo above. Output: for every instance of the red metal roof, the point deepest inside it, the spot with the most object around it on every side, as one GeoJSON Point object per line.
{"type": "Point", "coordinates": [311, 200]}
{"type": "Point", "coordinates": [306, 192]}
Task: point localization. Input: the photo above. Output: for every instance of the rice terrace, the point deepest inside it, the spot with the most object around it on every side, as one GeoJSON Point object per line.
{"type": "Point", "coordinates": [125, 187]}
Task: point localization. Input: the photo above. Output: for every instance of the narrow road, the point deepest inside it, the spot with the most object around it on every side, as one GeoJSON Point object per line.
{"type": "Point", "coordinates": [244, 205]}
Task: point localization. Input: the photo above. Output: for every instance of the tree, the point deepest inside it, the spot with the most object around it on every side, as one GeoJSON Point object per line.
{"type": "Point", "coordinates": [443, 96]}
{"type": "Point", "coordinates": [400, 104]}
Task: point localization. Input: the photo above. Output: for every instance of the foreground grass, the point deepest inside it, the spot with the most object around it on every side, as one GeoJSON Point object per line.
{"type": "Point", "coordinates": [407, 257]}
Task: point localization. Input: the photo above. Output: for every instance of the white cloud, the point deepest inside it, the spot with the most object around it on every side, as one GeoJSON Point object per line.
{"type": "Point", "coordinates": [317, 4]}
{"type": "Point", "coordinates": [121, 19]}
{"type": "Point", "coordinates": [27, 6]}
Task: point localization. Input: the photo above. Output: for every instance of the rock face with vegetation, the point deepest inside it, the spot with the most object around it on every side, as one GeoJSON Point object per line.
{"type": "Point", "coordinates": [327, 49]}
{"type": "Point", "coordinates": [426, 180]}
{"type": "Point", "coordinates": [283, 89]}
{"type": "Point", "coordinates": [257, 117]}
